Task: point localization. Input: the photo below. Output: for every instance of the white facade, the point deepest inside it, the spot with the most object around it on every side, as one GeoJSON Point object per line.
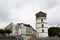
{"type": "Point", "coordinates": [20, 29]}
{"type": "Point", "coordinates": [13, 30]}
{"type": "Point", "coordinates": [12, 27]}
{"type": "Point", "coordinates": [41, 25]}
{"type": "Point", "coordinates": [25, 29]}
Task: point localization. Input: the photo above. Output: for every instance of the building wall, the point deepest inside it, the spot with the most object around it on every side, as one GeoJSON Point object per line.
{"type": "Point", "coordinates": [43, 35]}
{"type": "Point", "coordinates": [13, 30]}
{"type": "Point", "coordinates": [20, 29]}
{"type": "Point", "coordinates": [12, 27]}
{"type": "Point", "coordinates": [40, 28]}
{"type": "Point", "coordinates": [23, 29]}
{"type": "Point", "coordinates": [41, 31]}
{"type": "Point", "coordinates": [28, 30]}
{"type": "Point", "coordinates": [39, 19]}
{"type": "Point", "coordinates": [40, 25]}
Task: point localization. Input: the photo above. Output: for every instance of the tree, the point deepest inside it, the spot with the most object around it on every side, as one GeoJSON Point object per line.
{"type": "Point", "coordinates": [53, 31]}
{"type": "Point", "coordinates": [8, 31]}
{"type": "Point", "coordinates": [2, 32]}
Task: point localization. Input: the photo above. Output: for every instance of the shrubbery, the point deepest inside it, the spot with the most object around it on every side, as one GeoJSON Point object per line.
{"type": "Point", "coordinates": [5, 31]}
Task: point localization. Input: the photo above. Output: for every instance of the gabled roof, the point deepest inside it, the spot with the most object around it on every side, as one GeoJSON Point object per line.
{"type": "Point", "coordinates": [9, 26]}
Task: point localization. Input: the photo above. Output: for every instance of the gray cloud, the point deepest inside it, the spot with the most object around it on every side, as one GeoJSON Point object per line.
{"type": "Point", "coordinates": [5, 8]}
{"type": "Point", "coordinates": [54, 16]}
{"type": "Point", "coordinates": [7, 5]}
{"type": "Point", "coordinates": [25, 10]}
{"type": "Point", "coordinates": [51, 3]}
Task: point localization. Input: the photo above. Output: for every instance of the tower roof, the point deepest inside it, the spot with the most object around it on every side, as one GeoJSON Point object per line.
{"type": "Point", "coordinates": [40, 14]}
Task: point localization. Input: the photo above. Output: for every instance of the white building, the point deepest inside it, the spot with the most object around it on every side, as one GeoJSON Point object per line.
{"type": "Point", "coordinates": [12, 27]}
{"type": "Point", "coordinates": [20, 29]}
{"type": "Point", "coordinates": [25, 29]}
{"type": "Point", "coordinates": [41, 24]}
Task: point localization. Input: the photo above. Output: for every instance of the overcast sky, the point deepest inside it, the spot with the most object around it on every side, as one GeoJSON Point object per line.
{"type": "Point", "coordinates": [23, 11]}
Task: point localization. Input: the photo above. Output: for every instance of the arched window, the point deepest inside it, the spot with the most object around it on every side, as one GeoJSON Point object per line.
{"type": "Point", "coordinates": [42, 25]}
{"type": "Point", "coordinates": [41, 20]}
{"type": "Point", "coordinates": [42, 30]}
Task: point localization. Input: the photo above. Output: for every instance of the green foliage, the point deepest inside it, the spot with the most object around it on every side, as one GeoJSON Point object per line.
{"type": "Point", "coordinates": [8, 31]}
{"type": "Point", "coordinates": [53, 31]}
{"type": "Point", "coordinates": [2, 31]}
{"type": "Point", "coordinates": [5, 31]}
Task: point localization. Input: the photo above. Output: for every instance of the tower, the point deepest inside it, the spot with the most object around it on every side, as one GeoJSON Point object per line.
{"type": "Point", "coordinates": [41, 24]}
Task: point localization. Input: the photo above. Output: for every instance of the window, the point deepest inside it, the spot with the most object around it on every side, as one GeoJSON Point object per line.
{"type": "Point", "coordinates": [42, 25]}
{"type": "Point", "coordinates": [42, 30]}
{"type": "Point", "coordinates": [41, 20]}
{"type": "Point", "coordinates": [19, 26]}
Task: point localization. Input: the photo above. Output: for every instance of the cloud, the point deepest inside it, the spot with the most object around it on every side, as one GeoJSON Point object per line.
{"type": "Point", "coordinates": [51, 3]}
{"type": "Point", "coordinates": [53, 16]}
{"type": "Point", "coordinates": [7, 5]}
{"type": "Point", "coordinates": [24, 10]}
